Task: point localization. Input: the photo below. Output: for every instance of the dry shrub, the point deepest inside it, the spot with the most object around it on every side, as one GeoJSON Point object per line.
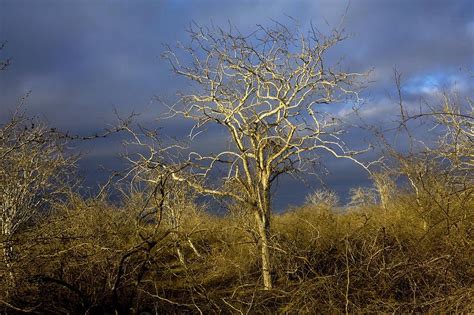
{"type": "Point", "coordinates": [364, 259]}
{"type": "Point", "coordinates": [374, 260]}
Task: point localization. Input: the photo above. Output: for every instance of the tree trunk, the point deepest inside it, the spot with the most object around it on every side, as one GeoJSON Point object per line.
{"type": "Point", "coordinates": [8, 254]}
{"type": "Point", "coordinates": [263, 225]}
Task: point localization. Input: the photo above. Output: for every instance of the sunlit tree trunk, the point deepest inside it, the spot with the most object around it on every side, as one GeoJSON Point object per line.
{"type": "Point", "coordinates": [262, 216]}
{"type": "Point", "coordinates": [263, 225]}
{"type": "Point", "coordinates": [8, 253]}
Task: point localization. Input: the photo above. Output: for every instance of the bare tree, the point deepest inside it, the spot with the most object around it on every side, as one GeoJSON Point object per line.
{"type": "Point", "coordinates": [33, 167]}
{"type": "Point", "coordinates": [267, 91]}
{"type": "Point", "coordinates": [384, 182]}
{"type": "Point", "coordinates": [456, 143]}
{"type": "Point", "coordinates": [151, 174]}
{"type": "Point", "coordinates": [445, 169]}
{"type": "Point", "coordinates": [362, 197]}
{"type": "Point", "coordinates": [438, 170]}
{"type": "Point", "coordinates": [323, 197]}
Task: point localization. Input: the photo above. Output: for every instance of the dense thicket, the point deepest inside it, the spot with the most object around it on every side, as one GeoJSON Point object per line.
{"type": "Point", "coordinates": [91, 257]}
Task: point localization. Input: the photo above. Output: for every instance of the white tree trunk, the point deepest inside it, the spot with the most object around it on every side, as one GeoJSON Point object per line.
{"type": "Point", "coordinates": [8, 252]}
{"type": "Point", "coordinates": [264, 234]}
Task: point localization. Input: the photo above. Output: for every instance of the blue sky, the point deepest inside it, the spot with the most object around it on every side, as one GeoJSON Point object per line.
{"type": "Point", "coordinates": [82, 59]}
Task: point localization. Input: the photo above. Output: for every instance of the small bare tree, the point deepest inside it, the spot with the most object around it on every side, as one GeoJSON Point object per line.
{"type": "Point", "coordinates": [384, 182]}
{"type": "Point", "coordinates": [166, 201]}
{"type": "Point", "coordinates": [33, 167]}
{"type": "Point", "coordinates": [456, 143]}
{"type": "Point", "coordinates": [439, 170]}
{"type": "Point", "coordinates": [445, 171]}
{"type": "Point", "coordinates": [362, 197]}
{"type": "Point", "coordinates": [323, 197]}
{"type": "Point", "coordinates": [267, 91]}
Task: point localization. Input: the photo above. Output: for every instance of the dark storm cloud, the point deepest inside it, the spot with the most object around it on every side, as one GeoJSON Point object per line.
{"type": "Point", "coordinates": [81, 59]}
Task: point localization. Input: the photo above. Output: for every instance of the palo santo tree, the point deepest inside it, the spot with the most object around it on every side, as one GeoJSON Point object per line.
{"type": "Point", "coordinates": [268, 91]}
{"type": "Point", "coordinates": [438, 168]}
{"type": "Point", "coordinates": [442, 173]}
{"type": "Point", "coordinates": [34, 169]}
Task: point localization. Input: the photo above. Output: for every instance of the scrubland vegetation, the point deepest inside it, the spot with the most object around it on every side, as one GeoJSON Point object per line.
{"type": "Point", "coordinates": [403, 245]}
{"type": "Point", "coordinates": [87, 256]}
{"type": "Point", "coordinates": [166, 253]}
